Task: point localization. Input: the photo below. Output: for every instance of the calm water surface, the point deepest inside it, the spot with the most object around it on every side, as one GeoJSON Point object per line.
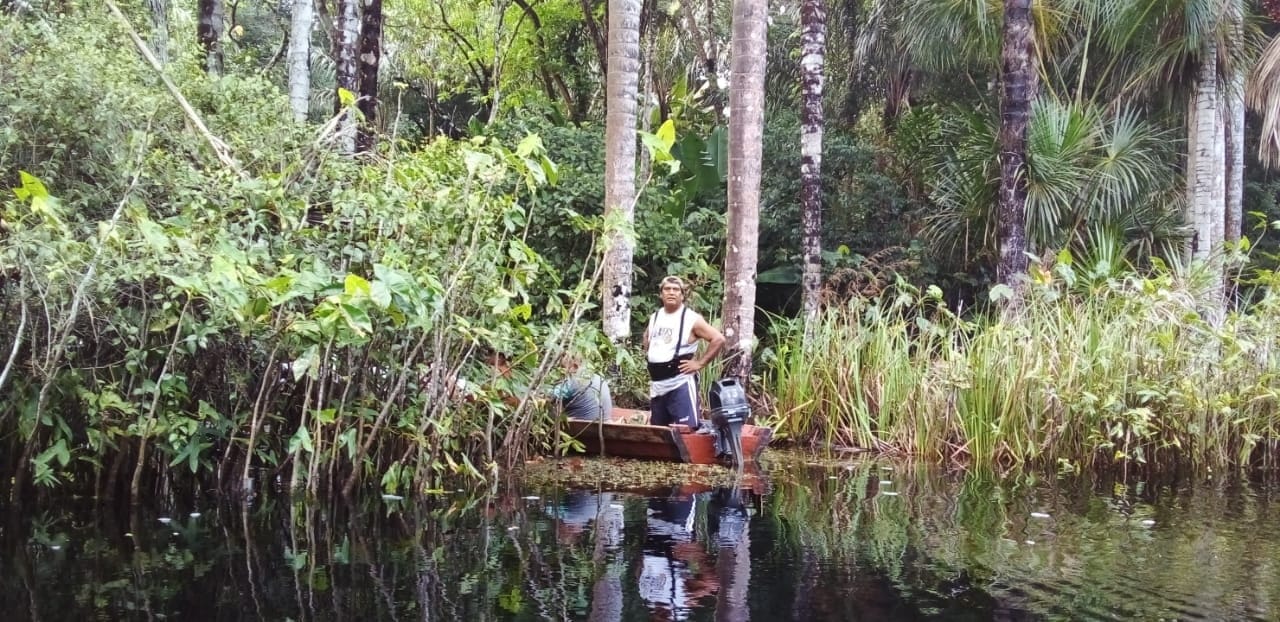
{"type": "Point", "coordinates": [805, 540]}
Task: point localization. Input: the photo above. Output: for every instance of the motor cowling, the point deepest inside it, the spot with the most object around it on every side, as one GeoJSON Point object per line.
{"type": "Point", "coordinates": [729, 411]}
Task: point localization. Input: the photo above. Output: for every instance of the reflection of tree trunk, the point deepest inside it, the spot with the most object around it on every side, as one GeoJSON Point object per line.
{"type": "Point", "coordinates": [802, 606]}
{"type": "Point", "coordinates": [249, 549]}
{"type": "Point", "coordinates": [733, 569]}
{"type": "Point", "coordinates": [135, 528]}
{"type": "Point", "coordinates": [22, 565]}
{"type": "Point", "coordinates": [606, 594]}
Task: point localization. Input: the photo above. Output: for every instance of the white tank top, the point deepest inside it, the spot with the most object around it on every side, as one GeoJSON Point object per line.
{"type": "Point", "coordinates": [662, 334]}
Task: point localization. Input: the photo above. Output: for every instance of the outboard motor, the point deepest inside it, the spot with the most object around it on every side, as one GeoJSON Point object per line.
{"type": "Point", "coordinates": [729, 410]}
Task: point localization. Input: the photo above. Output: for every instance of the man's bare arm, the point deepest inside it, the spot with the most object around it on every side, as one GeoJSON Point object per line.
{"type": "Point", "coordinates": [715, 343]}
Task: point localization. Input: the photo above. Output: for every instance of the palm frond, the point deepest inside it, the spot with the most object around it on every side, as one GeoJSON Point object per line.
{"type": "Point", "coordinates": [1262, 93]}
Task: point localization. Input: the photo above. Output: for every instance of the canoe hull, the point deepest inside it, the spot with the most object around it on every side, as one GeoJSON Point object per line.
{"type": "Point", "coordinates": [621, 439]}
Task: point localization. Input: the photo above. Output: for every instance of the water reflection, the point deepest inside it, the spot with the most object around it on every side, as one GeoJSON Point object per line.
{"type": "Point", "coordinates": [818, 541]}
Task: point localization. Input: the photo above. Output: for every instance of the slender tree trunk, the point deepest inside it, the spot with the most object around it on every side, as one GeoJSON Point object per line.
{"type": "Point", "coordinates": [746, 134]}
{"type": "Point", "coordinates": [813, 42]}
{"type": "Point", "coordinates": [1206, 169]}
{"type": "Point", "coordinates": [1017, 77]}
{"type": "Point", "coordinates": [159, 10]}
{"type": "Point", "coordinates": [348, 27]}
{"type": "Point", "coordinates": [1235, 159]}
{"type": "Point", "coordinates": [1234, 122]}
{"type": "Point", "coordinates": [620, 163]}
{"type": "Point", "coordinates": [370, 60]}
{"type": "Point", "coordinates": [1233, 147]}
{"type": "Point", "coordinates": [598, 40]}
{"type": "Point", "coordinates": [209, 31]}
{"type": "Point", "coordinates": [301, 25]}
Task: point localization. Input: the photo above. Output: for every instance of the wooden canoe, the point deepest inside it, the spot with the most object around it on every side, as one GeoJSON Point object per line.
{"type": "Point", "coordinates": [626, 435]}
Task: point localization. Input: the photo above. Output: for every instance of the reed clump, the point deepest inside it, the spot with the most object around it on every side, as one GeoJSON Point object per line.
{"type": "Point", "coordinates": [1088, 372]}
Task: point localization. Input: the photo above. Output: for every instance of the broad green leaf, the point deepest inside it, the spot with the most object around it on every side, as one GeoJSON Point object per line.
{"type": "Point", "coordinates": [1001, 292]}
{"type": "Point", "coordinates": [658, 150]}
{"type": "Point", "coordinates": [153, 234]}
{"type": "Point", "coordinates": [304, 364]}
{"type": "Point", "coordinates": [301, 438]}
{"type": "Point", "coordinates": [355, 285]}
{"type": "Point", "coordinates": [530, 145]}
{"type": "Point", "coordinates": [380, 294]}
{"type": "Point", "coordinates": [357, 319]}
{"type": "Point", "coordinates": [475, 160]}
{"type": "Point", "coordinates": [667, 134]}
{"type": "Point", "coordinates": [31, 188]}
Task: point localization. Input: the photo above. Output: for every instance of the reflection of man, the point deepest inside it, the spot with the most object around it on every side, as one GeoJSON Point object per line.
{"type": "Point", "coordinates": [675, 572]}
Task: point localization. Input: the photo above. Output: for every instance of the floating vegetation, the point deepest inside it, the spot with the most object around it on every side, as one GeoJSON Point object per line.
{"type": "Point", "coordinates": [624, 474]}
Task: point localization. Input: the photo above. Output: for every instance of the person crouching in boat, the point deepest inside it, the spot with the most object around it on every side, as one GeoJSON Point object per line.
{"type": "Point", "coordinates": [671, 345]}
{"type": "Point", "coordinates": [583, 394]}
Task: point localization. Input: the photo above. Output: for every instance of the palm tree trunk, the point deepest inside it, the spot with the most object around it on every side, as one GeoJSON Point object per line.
{"type": "Point", "coordinates": [1235, 160]}
{"type": "Point", "coordinates": [209, 31]}
{"type": "Point", "coordinates": [746, 133]}
{"type": "Point", "coordinates": [159, 10]}
{"type": "Point", "coordinates": [1206, 167]}
{"type": "Point", "coordinates": [1017, 75]}
{"type": "Point", "coordinates": [301, 24]}
{"type": "Point", "coordinates": [348, 27]}
{"type": "Point", "coordinates": [370, 59]}
{"type": "Point", "coordinates": [1234, 122]}
{"type": "Point", "coordinates": [812, 59]}
{"type": "Point", "coordinates": [621, 89]}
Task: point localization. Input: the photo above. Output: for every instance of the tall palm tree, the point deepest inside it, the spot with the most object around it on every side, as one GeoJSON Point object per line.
{"type": "Point", "coordinates": [746, 136]}
{"type": "Point", "coordinates": [369, 61]}
{"type": "Point", "coordinates": [812, 60]}
{"type": "Point", "coordinates": [159, 10]}
{"type": "Point", "coordinates": [1206, 159]}
{"type": "Point", "coordinates": [345, 44]}
{"type": "Point", "coordinates": [301, 24]}
{"type": "Point", "coordinates": [1018, 83]}
{"type": "Point", "coordinates": [1234, 119]}
{"type": "Point", "coordinates": [209, 31]}
{"type": "Point", "coordinates": [621, 88]}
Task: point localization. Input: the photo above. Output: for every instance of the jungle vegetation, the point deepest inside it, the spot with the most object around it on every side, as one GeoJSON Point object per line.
{"type": "Point", "coordinates": [253, 242]}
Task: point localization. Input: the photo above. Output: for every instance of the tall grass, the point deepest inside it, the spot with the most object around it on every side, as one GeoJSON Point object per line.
{"type": "Point", "coordinates": [1091, 371]}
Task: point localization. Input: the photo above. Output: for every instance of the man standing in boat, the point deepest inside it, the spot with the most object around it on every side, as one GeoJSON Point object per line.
{"type": "Point", "coordinates": [671, 346]}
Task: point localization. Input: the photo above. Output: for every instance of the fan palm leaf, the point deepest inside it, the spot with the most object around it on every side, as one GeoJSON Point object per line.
{"type": "Point", "coordinates": [1084, 169]}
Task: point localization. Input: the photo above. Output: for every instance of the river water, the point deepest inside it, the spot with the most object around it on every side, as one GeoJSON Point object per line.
{"type": "Point", "coordinates": [806, 539]}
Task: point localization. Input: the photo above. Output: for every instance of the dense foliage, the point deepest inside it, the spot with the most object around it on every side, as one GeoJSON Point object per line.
{"type": "Point", "coordinates": [251, 304]}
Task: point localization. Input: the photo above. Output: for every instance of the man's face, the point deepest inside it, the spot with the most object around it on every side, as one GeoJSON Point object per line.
{"type": "Point", "coordinates": [672, 293]}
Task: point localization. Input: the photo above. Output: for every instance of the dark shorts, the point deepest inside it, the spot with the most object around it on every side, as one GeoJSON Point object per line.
{"type": "Point", "coordinates": [677, 406]}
